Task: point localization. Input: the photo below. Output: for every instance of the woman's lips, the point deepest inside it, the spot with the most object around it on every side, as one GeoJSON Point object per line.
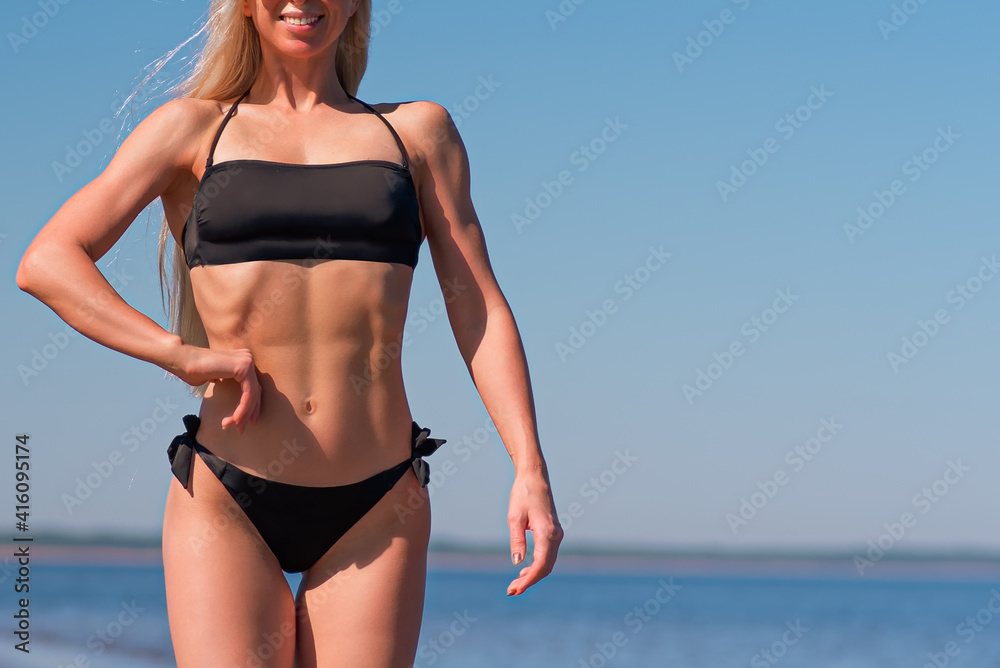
{"type": "Point", "coordinates": [301, 24]}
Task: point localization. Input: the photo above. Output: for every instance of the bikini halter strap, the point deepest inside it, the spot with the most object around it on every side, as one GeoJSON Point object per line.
{"type": "Point", "coordinates": [218, 133]}
{"type": "Point", "coordinates": [232, 110]}
{"type": "Point", "coordinates": [399, 142]}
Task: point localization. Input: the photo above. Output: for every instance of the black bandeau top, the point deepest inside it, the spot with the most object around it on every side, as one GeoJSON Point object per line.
{"type": "Point", "coordinates": [248, 210]}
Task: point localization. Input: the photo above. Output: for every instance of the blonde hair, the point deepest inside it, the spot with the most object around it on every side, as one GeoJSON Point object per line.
{"type": "Point", "coordinates": [225, 68]}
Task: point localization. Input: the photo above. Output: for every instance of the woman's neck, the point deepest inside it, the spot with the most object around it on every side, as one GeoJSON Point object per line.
{"type": "Point", "coordinates": [298, 83]}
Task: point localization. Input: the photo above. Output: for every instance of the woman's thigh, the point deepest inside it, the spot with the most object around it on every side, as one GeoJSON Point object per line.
{"type": "Point", "coordinates": [361, 605]}
{"type": "Point", "coordinates": [228, 603]}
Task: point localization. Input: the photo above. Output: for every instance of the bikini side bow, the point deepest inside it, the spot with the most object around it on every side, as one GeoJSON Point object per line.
{"type": "Point", "coordinates": [423, 446]}
{"type": "Point", "coordinates": [181, 450]}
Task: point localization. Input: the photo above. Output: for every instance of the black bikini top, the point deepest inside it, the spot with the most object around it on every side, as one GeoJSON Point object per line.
{"type": "Point", "coordinates": [261, 210]}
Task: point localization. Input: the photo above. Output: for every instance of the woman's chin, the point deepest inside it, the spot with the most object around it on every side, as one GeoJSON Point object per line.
{"type": "Point", "coordinates": [296, 48]}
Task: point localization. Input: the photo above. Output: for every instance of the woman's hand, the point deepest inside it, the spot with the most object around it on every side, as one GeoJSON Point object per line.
{"type": "Point", "coordinates": [195, 366]}
{"type": "Point", "coordinates": [532, 508]}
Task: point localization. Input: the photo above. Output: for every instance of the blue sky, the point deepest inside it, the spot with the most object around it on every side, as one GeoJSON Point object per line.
{"type": "Point", "coordinates": [600, 156]}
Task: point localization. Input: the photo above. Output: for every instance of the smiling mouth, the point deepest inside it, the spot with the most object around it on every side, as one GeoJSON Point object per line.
{"type": "Point", "coordinates": [300, 20]}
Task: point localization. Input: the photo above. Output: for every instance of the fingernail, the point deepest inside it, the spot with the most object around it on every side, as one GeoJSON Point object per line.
{"type": "Point", "coordinates": [516, 558]}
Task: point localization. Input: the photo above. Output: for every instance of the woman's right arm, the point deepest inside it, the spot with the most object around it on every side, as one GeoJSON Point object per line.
{"type": "Point", "coordinates": [59, 267]}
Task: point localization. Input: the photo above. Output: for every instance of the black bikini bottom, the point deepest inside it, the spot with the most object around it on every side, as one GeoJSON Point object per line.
{"type": "Point", "coordinates": [298, 523]}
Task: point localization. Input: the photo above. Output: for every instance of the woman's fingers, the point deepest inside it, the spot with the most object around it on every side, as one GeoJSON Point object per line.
{"type": "Point", "coordinates": [247, 377]}
{"type": "Point", "coordinates": [542, 561]}
{"type": "Point", "coordinates": [256, 409]}
{"type": "Point", "coordinates": [543, 558]}
{"type": "Point", "coordinates": [517, 523]}
{"type": "Point", "coordinates": [255, 413]}
{"type": "Point", "coordinates": [246, 374]}
{"type": "Point", "coordinates": [253, 398]}
{"type": "Point", "coordinates": [202, 365]}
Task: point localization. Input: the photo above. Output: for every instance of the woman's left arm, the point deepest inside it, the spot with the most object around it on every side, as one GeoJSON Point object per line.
{"type": "Point", "coordinates": [485, 331]}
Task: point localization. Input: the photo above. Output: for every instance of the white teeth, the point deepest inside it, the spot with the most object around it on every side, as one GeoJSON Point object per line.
{"type": "Point", "coordinates": [298, 21]}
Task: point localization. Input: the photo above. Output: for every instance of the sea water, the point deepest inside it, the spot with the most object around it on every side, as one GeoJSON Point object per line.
{"type": "Point", "coordinates": [115, 616]}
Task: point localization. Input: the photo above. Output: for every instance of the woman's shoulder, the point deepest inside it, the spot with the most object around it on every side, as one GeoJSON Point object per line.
{"type": "Point", "coordinates": [175, 131]}
{"type": "Point", "coordinates": [192, 112]}
{"type": "Point", "coordinates": [417, 113]}
{"type": "Point", "coordinates": [426, 125]}
{"type": "Point", "coordinates": [187, 119]}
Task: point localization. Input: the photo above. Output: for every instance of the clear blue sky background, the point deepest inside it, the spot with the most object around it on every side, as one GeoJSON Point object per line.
{"type": "Point", "coordinates": [683, 128]}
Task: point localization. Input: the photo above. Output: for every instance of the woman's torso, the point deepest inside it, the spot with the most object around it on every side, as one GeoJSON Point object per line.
{"type": "Point", "coordinates": [326, 335]}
